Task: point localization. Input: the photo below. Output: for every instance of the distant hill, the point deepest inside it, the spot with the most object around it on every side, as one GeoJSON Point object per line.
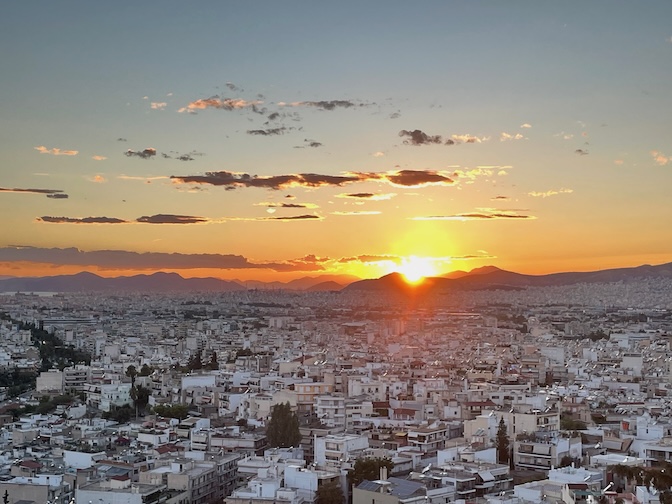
{"type": "Point", "coordinates": [491, 277]}
{"type": "Point", "coordinates": [304, 283]}
{"type": "Point", "coordinates": [325, 286]}
{"type": "Point", "coordinates": [83, 282]}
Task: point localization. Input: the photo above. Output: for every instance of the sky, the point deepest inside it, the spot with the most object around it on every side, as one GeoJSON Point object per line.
{"type": "Point", "coordinates": [275, 140]}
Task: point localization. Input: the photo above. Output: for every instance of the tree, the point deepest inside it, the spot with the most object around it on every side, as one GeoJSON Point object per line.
{"type": "Point", "coordinates": [502, 443]}
{"type": "Point", "coordinates": [195, 362]}
{"type": "Point", "coordinates": [283, 427]}
{"type": "Point", "coordinates": [131, 372]}
{"type": "Point", "coordinates": [145, 370]}
{"type": "Point", "coordinates": [330, 493]}
{"type": "Point", "coordinates": [214, 363]}
{"type": "Point", "coordinates": [140, 396]}
{"type": "Point", "coordinates": [368, 469]}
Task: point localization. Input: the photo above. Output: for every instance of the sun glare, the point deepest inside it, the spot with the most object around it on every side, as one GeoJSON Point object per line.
{"type": "Point", "coordinates": [415, 269]}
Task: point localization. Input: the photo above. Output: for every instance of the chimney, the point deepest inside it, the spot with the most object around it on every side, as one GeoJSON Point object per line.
{"type": "Point", "coordinates": [383, 473]}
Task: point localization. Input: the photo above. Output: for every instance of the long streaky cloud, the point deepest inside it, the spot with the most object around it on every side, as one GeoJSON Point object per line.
{"type": "Point", "coordinates": [474, 216]}
{"type": "Point", "coordinates": [399, 178]}
{"type": "Point", "coordinates": [551, 192]}
{"type": "Point", "coordinates": [171, 219]}
{"type": "Point", "coordinates": [367, 196]}
{"type": "Point", "coordinates": [127, 260]}
{"type": "Point", "coordinates": [216, 102]}
{"type": "Point", "coordinates": [80, 220]}
{"type": "Point", "coordinates": [324, 104]}
{"type": "Point", "coordinates": [356, 212]}
{"type": "Point", "coordinates": [55, 151]}
{"type": "Point", "coordinates": [48, 192]}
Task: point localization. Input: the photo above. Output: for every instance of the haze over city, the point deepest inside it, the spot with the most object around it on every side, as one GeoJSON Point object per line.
{"type": "Point", "coordinates": [273, 141]}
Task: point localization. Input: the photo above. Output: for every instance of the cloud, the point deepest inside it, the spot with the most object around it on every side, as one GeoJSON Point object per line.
{"type": "Point", "coordinates": [618, 162]}
{"type": "Point", "coordinates": [121, 140]}
{"type": "Point", "coordinates": [500, 198]}
{"type": "Point", "coordinates": [219, 103]}
{"type": "Point", "coordinates": [323, 104]}
{"type": "Point", "coordinates": [475, 216]}
{"type": "Point", "coordinates": [412, 178]}
{"type": "Point", "coordinates": [99, 179]}
{"type": "Point", "coordinates": [546, 194]}
{"type": "Point", "coordinates": [171, 219]}
{"type": "Point", "coordinates": [504, 136]}
{"type": "Point", "coordinates": [659, 158]}
{"type": "Point", "coordinates": [368, 196]}
{"type": "Point", "coordinates": [295, 217]}
{"type": "Point", "coordinates": [49, 192]}
{"type": "Point", "coordinates": [148, 180]}
{"type": "Point", "coordinates": [370, 258]}
{"type": "Point", "coordinates": [481, 171]}
{"type": "Point", "coordinates": [98, 158]}
{"type": "Point", "coordinates": [400, 178]}
{"type": "Point", "coordinates": [147, 153]}
{"type": "Point", "coordinates": [268, 132]}
{"type": "Point", "coordinates": [55, 151]}
{"type": "Point", "coordinates": [82, 220]}
{"type": "Point", "coordinates": [418, 137]}
{"type": "Point", "coordinates": [467, 138]}
{"type": "Point", "coordinates": [158, 105]}
{"type": "Point", "coordinates": [232, 86]}
{"type": "Point", "coordinates": [122, 259]}
{"type": "Point", "coordinates": [58, 196]}
{"type": "Point", "coordinates": [526, 125]}
{"type": "Point", "coordinates": [581, 152]}
{"type": "Point", "coordinates": [287, 205]}
{"type": "Point", "coordinates": [378, 154]}
{"type": "Point", "coordinates": [395, 115]}
{"type": "Point", "coordinates": [362, 212]}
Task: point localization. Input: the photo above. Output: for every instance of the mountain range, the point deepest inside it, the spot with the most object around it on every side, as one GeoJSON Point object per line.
{"type": "Point", "coordinates": [487, 277]}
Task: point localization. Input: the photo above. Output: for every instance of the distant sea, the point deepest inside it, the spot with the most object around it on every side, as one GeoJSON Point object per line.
{"type": "Point", "coordinates": [38, 294]}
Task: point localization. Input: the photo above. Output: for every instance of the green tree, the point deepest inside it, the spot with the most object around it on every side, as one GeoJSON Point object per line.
{"type": "Point", "coordinates": [132, 372]}
{"type": "Point", "coordinates": [195, 362]}
{"type": "Point", "coordinates": [283, 427]}
{"type": "Point", "coordinates": [330, 493]}
{"type": "Point", "coordinates": [179, 411]}
{"type": "Point", "coordinates": [368, 469]}
{"type": "Point", "coordinates": [145, 370]}
{"type": "Point", "coordinates": [214, 363]}
{"type": "Point", "coordinates": [140, 396]}
{"type": "Point", "coordinates": [502, 443]}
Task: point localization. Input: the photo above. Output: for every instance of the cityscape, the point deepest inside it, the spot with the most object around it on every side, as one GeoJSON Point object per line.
{"type": "Point", "coordinates": [352, 253]}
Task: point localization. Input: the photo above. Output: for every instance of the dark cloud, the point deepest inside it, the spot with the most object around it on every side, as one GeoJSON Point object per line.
{"type": "Point", "coordinates": [222, 104]}
{"type": "Point", "coordinates": [274, 116]}
{"type": "Point", "coordinates": [82, 220]}
{"type": "Point", "coordinates": [170, 219]}
{"type": "Point", "coordinates": [268, 132]}
{"type": "Point", "coordinates": [51, 193]}
{"type": "Point", "coordinates": [416, 178]}
{"type": "Point", "coordinates": [297, 217]}
{"type": "Point", "coordinates": [122, 259]}
{"type": "Point", "coordinates": [232, 180]}
{"type": "Point", "coordinates": [450, 141]}
{"type": "Point", "coordinates": [581, 152]}
{"type": "Point", "coordinates": [147, 153]}
{"type": "Point", "coordinates": [329, 104]}
{"type": "Point", "coordinates": [121, 140]}
{"type": "Point", "coordinates": [368, 258]}
{"type": "Point", "coordinates": [500, 198]}
{"type": "Point", "coordinates": [184, 157]}
{"type": "Point", "coordinates": [417, 137]}
{"type": "Point", "coordinates": [395, 115]}
{"type": "Point", "coordinates": [359, 195]}
{"type": "Point", "coordinates": [313, 143]}
{"type": "Point", "coordinates": [232, 86]}
{"type": "Point", "coordinates": [289, 205]}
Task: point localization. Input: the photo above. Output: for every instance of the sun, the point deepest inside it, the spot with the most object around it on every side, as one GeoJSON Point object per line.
{"type": "Point", "coordinates": [415, 269]}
